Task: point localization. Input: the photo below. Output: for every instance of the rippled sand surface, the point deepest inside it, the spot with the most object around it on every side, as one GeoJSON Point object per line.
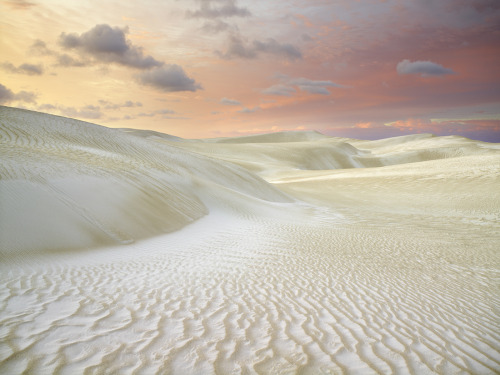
{"type": "Point", "coordinates": [133, 252]}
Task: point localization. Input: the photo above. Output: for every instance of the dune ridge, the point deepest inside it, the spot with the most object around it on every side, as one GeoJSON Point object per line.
{"type": "Point", "coordinates": [290, 253]}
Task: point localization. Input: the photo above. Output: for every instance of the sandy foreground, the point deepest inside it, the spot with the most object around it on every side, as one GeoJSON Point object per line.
{"type": "Point", "coordinates": [134, 252]}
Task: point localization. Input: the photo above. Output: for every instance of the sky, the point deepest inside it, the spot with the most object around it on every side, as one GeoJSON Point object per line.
{"type": "Point", "coordinates": [364, 69]}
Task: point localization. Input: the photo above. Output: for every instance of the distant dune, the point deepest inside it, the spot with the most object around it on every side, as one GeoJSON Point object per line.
{"type": "Point", "coordinates": [136, 252]}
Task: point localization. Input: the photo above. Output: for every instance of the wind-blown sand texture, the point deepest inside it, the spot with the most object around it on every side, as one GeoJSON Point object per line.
{"type": "Point", "coordinates": [133, 252]}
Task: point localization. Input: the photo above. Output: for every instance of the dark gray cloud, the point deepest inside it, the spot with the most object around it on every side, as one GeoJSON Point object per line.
{"type": "Point", "coordinates": [237, 48]}
{"type": "Point", "coordinates": [424, 68]}
{"type": "Point", "coordinates": [29, 69]}
{"type": "Point", "coordinates": [169, 78]}
{"type": "Point", "coordinates": [279, 89]}
{"type": "Point", "coordinates": [228, 8]}
{"type": "Point", "coordinates": [7, 96]}
{"type": "Point", "coordinates": [226, 101]}
{"type": "Point", "coordinates": [108, 44]}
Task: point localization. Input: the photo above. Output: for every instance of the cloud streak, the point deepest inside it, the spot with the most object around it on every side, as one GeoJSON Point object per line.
{"type": "Point", "coordinates": [237, 48]}
{"type": "Point", "coordinates": [304, 84]}
{"type": "Point", "coordinates": [279, 90]}
{"type": "Point", "coordinates": [88, 112]}
{"type": "Point", "coordinates": [424, 68]}
{"type": "Point", "coordinates": [226, 101]}
{"type": "Point", "coordinates": [128, 104]}
{"type": "Point", "coordinates": [227, 9]}
{"type": "Point", "coordinates": [29, 69]}
{"type": "Point", "coordinates": [249, 110]}
{"type": "Point", "coordinates": [20, 4]}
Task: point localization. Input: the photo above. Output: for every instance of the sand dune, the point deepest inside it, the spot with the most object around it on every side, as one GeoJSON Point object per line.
{"type": "Point", "coordinates": [286, 253]}
{"type": "Point", "coordinates": [102, 185]}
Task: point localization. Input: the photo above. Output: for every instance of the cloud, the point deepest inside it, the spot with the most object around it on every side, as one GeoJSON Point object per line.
{"type": "Point", "coordinates": [424, 68]}
{"type": "Point", "coordinates": [279, 89]}
{"type": "Point", "coordinates": [249, 110]}
{"type": "Point", "coordinates": [7, 96]}
{"type": "Point", "coordinates": [215, 27]}
{"type": "Point", "coordinates": [273, 47]}
{"type": "Point", "coordinates": [304, 84]}
{"type": "Point", "coordinates": [108, 44]}
{"type": "Point", "coordinates": [313, 87]}
{"type": "Point", "coordinates": [127, 104]}
{"type": "Point", "coordinates": [227, 9]}
{"type": "Point", "coordinates": [148, 114]}
{"type": "Point", "coordinates": [68, 61]}
{"type": "Point", "coordinates": [88, 112]}
{"type": "Point", "coordinates": [20, 4]}
{"type": "Point", "coordinates": [46, 107]}
{"type": "Point", "coordinates": [26, 96]}
{"type": "Point", "coordinates": [227, 101]}
{"type": "Point", "coordinates": [164, 112]}
{"type": "Point", "coordinates": [306, 37]}
{"type": "Point", "coordinates": [39, 47]}
{"type": "Point", "coordinates": [169, 78]}
{"type": "Point", "coordinates": [29, 69]}
{"type": "Point", "coordinates": [237, 48]}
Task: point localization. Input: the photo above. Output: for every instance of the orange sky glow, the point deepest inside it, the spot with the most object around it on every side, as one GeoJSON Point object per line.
{"type": "Point", "coordinates": [210, 68]}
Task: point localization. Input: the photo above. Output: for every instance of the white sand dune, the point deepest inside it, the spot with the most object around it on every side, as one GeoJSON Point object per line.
{"type": "Point", "coordinates": [303, 254]}
{"type": "Point", "coordinates": [67, 184]}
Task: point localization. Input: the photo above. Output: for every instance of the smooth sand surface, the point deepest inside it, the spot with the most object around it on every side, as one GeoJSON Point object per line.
{"type": "Point", "coordinates": [133, 252]}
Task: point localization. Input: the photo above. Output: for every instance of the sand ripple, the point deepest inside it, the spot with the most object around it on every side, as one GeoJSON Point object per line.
{"type": "Point", "coordinates": [316, 298]}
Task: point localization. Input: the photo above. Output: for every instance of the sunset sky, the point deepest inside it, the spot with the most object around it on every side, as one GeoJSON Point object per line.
{"type": "Point", "coordinates": [208, 68]}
